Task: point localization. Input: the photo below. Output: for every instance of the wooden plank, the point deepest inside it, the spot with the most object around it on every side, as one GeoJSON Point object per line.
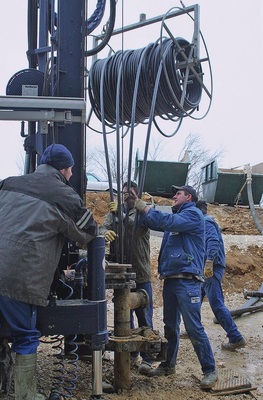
{"type": "Point", "coordinates": [235, 391]}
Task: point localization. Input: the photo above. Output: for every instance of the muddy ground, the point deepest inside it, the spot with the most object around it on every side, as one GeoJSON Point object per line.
{"type": "Point", "coordinates": [244, 246]}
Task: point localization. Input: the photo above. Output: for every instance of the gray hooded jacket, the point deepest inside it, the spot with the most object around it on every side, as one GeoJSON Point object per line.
{"type": "Point", "coordinates": [37, 212]}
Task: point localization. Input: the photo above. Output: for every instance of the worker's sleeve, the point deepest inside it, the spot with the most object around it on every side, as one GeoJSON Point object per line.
{"type": "Point", "coordinates": [76, 232]}
{"type": "Point", "coordinates": [107, 224]}
{"type": "Point", "coordinates": [211, 240]}
{"type": "Point", "coordinates": [141, 229]}
{"type": "Point", "coordinates": [183, 221]}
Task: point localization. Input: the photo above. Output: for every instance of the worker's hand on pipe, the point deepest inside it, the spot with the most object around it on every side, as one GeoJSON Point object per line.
{"type": "Point", "coordinates": [126, 196]}
{"type": "Point", "coordinates": [110, 236]}
{"type": "Point", "coordinates": [130, 196]}
{"type": "Point", "coordinates": [208, 269]}
{"type": "Point", "coordinates": [139, 205]}
{"type": "Point", "coordinates": [113, 207]}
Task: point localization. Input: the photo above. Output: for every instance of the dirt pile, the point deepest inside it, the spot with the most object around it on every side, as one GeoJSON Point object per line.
{"type": "Point", "coordinates": [243, 242]}
{"type": "Point", "coordinates": [232, 220]}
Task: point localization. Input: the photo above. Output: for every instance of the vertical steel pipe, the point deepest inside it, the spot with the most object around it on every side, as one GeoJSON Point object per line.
{"type": "Point", "coordinates": [96, 292]}
{"type": "Point", "coordinates": [122, 373]}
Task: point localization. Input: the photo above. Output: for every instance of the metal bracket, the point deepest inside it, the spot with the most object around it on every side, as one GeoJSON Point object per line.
{"type": "Point", "coordinates": [56, 109]}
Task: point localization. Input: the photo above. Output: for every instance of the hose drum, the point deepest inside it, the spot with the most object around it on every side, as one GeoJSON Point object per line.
{"type": "Point", "coordinates": [175, 97]}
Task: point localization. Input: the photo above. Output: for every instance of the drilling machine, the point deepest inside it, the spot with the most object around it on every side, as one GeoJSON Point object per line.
{"type": "Point", "coordinates": [50, 95]}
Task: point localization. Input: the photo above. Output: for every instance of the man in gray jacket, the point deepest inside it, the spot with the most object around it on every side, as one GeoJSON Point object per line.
{"type": "Point", "coordinates": [37, 212]}
{"type": "Point", "coordinates": [138, 245]}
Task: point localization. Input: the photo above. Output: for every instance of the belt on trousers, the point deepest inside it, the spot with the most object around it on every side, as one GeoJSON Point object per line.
{"type": "Point", "coordinates": [185, 276]}
{"type": "Point", "coordinates": [181, 276]}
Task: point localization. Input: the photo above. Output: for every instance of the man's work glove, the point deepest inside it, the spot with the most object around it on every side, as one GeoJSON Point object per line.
{"type": "Point", "coordinates": [110, 236]}
{"type": "Point", "coordinates": [208, 269]}
{"type": "Point", "coordinates": [140, 205]}
{"type": "Point", "coordinates": [113, 207]}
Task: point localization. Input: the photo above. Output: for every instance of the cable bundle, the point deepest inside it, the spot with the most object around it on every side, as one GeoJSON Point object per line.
{"type": "Point", "coordinates": [123, 85]}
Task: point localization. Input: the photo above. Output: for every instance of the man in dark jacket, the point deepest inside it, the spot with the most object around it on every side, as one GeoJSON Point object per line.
{"type": "Point", "coordinates": [214, 270]}
{"type": "Point", "coordinates": [37, 212]}
{"type": "Point", "coordinates": [181, 261]}
{"type": "Point", "coordinates": [139, 251]}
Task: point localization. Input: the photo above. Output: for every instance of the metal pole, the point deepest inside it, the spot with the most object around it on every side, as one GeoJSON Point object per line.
{"type": "Point", "coordinates": [96, 280]}
{"type": "Point", "coordinates": [122, 373]}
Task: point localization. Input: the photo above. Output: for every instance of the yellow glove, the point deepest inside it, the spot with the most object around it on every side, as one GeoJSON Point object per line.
{"type": "Point", "coordinates": [140, 205]}
{"type": "Point", "coordinates": [208, 269]}
{"type": "Point", "coordinates": [110, 236]}
{"type": "Point", "coordinates": [113, 207]}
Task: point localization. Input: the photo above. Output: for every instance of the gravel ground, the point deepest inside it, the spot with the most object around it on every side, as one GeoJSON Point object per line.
{"type": "Point", "coordinates": [246, 363]}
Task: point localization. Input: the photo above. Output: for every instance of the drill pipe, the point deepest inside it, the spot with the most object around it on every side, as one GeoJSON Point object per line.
{"type": "Point", "coordinates": [124, 301]}
{"type": "Point", "coordinates": [122, 374]}
{"type": "Point", "coordinates": [244, 310]}
{"type": "Point", "coordinates": [250, 293]}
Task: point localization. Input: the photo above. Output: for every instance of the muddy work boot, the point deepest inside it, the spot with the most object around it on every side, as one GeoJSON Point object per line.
{"type": "Point", "coordinates": [144, 367]}
{"type": "Point", "coordinates": [209, 380]}
{"type": "Point", "coordinates": [161, 370]}
{"type": "Point", "coordinates": [232, 346]}
{"type": "Point", "coordinates": [184, 335]}
{"type": "Point", "coordinates": [25, 378]}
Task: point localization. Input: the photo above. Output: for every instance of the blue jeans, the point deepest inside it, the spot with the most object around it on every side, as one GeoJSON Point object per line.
{"type": "Point", "coordinates": [21, 320]}
{"type": "Point", "coordinates": [144, 315]}
{"type": "Point", "coordinates": [183, 297]}
{"type": "Point", "coordinates": [213, 290]}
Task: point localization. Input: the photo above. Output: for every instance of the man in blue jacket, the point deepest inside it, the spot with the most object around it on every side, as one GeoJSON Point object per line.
{"type": "Point", "coordinates": [214, 271]}
{"type": "Point", "coordinates": [181, 262]}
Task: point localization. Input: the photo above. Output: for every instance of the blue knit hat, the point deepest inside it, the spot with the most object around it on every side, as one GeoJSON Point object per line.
{"type": "Point", "coordinates": [58, 156]}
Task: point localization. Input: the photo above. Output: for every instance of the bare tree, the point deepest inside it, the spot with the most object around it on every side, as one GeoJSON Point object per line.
{"type": "Point", "coordinates": [96, 162]}
{"type": "Point", "coordinates": [195, 152]}
{"type": "Point", "coordinates": [156, 149]}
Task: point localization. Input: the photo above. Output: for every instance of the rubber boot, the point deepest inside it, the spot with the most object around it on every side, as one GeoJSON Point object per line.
{"type": "Point", "coordinates": [25, 378]}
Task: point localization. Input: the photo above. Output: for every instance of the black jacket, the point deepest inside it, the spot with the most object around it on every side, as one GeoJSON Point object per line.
{"type": "Point", "coordinates": [37, 212]}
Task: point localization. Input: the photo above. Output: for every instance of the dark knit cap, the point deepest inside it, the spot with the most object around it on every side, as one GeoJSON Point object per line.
{"type": "Point", "coordinates": [58, 156]}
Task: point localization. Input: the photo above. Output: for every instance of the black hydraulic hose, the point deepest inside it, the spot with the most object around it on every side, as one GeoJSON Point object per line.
{"type": "Point", "coordinates": [151, 118]}
{"type": "Point", "coordinates": [32, 32]}
{"type": "Point", "coordinates": [169, 103]}
{"type": "Point", "coordinates": [108, 34]}
{"type": "Point", "coordinates": [128, 249]}
{"type": "Point", "coordinates": [79, 277]}
{"type": "Point", "coordinates": [105, 138]}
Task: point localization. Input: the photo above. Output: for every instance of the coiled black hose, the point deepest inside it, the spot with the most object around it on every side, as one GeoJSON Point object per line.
{"type": "Point", "coordinates": [171, 101]}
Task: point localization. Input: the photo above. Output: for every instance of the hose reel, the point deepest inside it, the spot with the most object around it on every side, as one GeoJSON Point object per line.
{"type": "Point", "coordinates": [166, 76]}
{"type": "Point", "coordinates": [171, 101]}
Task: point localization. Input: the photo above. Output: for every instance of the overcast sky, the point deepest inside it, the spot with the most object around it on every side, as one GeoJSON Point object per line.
{"type": "Point", "coordinates": [234, 37]}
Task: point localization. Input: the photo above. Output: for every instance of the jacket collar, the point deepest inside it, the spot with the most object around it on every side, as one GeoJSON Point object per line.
{"type": "Point", "coordinates": [45, 169]}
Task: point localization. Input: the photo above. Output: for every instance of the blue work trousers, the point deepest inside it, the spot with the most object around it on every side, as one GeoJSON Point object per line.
{"type": "Point", "coordinates": [144, 315]}
{"type": "Point", "coordinates": [183, 297]}
{"type": "Point", "coordinates": [20, 318]}
{"type": "Point", "coordinates": [213, 290]}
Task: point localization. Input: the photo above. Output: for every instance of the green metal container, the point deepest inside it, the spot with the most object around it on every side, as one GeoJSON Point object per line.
{"type": "Point", "coordinates": [161, 175]}
{"type": "Point", "coordinates": [228, 186]}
